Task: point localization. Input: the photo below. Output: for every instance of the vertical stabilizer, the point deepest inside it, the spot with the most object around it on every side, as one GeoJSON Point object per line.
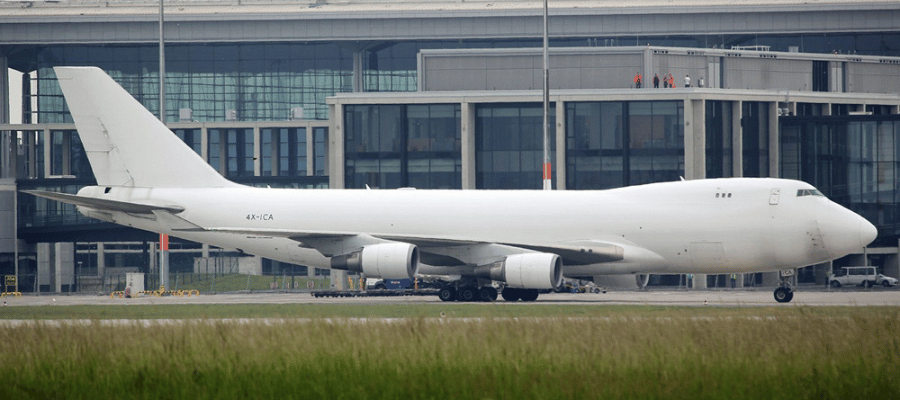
{"type": "Point", "coordinates": [126, 144]}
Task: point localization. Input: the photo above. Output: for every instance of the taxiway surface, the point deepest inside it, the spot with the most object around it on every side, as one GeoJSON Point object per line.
{"type": "Point", "coordinates": [761, 297]}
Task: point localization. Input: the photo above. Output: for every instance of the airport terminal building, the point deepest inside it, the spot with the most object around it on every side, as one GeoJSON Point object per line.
{"type": "Point", "coordinates": [447, 95]}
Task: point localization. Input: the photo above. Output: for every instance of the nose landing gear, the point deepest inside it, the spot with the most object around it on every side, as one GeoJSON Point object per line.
{"type": "Point", "coordinates": [785, 292]}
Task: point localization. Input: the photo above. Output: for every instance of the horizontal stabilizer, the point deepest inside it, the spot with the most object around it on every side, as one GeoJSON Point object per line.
{"type": "Point", "coordinates": [104, 204]}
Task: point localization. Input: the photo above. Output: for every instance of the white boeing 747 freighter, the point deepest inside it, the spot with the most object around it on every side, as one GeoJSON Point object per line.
{"type": "Point", "coordinates": [528, 240]}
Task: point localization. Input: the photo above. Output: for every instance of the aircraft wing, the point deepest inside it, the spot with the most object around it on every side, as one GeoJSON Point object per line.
{"type": "Point", "coordinates": [104, 204]}
{"type": "Point", "coordinates": [438, 251]}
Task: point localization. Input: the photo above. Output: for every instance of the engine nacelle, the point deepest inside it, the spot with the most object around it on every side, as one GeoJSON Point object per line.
{"type": "Point", "coordinates": [385, 260]}
{"type": "Point", "coordinates": [526, 271]}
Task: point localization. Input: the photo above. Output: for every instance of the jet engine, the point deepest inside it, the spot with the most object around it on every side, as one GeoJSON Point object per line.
{"type": "Point", "coordinates": [525, 271]}
{"type": "Point", "coordinates": [385, 260]}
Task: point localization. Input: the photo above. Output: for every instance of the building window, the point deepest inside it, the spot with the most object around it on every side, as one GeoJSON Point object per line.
{"type": "Point", "coordinates": [719, 139]}
{"type": "Point", "coordinates": [320, 151]}
{"type": "Point", "coordinates": [614, 144]}
{"type": "Point", "coordinates": [283, 151]}
{"type": "Point", "coordinates": [190, 137]}
{"type": "Point", "coordinates": [392, 146]}
{"type": "Point", "coordinates": [755, 132]}
{"type": "Point", "coordinates": [239, 152]}
{"type": "Point", "coordinates": [854, 160]}
{"type": "Point", "coordinates": [509, 146]}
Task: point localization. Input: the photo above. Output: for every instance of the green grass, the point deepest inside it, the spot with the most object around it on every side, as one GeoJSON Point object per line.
{"type": "Point", "coordinates": [639, 353]}
{"type": "Point", "coordinates": [201, 311]}
{"type": "Point", "coordinates": [374, 310]}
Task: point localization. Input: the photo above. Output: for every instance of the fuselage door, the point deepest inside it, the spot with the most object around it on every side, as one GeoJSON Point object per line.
{"type": "Point", "coordinates": [774, 196]}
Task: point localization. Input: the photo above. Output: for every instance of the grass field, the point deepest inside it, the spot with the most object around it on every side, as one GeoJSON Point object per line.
{"type": "Point", "coordinates": [556, 352]}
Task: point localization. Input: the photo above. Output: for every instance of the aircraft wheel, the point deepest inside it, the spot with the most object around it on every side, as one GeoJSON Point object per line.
{"type": "Point", "coordinates": [468, 294]}
{"type": "Point", "coordinates": [487, 293]}
{"type": "Point", "coordinates": [447, 293]}
{"type": "Point", "coordinates": [510, 294]}
{"type": "Point", "coordinates": [835, 284]}
{"type": "Point", "coordinates": [784, 295]}
{"type": "Point", "coordinates": [529, 295]}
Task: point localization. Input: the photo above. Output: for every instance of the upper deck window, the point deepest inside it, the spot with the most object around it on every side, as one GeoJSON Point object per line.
{"type": "Point", "coordinates": [809, 192]}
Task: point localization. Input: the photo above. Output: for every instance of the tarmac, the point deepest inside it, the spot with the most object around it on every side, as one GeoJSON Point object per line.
{"type": "Point", "coordinates": [709, 297]}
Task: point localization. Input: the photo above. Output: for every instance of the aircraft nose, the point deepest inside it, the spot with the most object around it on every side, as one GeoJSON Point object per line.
{"type": "Point", "coordinates": [843, 231]}
{"type": "Point", "coordinates": [867, 232]}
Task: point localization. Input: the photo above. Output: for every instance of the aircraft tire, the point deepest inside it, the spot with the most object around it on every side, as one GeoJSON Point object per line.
{"type": "Point", "coordinates": [510, 294]}
{"type": "Point", "coordinates": [468, 294]}
{"type": "Point", "coordinates": [529, 295]}
{"type": "Point", "coordinates": [487, 293]}
{"type": "Point", "coordinates": [447, 293]}
{"type": "Point", "coordinates": [784, 295]}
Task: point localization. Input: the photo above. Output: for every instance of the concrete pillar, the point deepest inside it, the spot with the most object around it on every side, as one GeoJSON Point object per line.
{"type": "Point", "coordinates": [4, 90]}
{"type": "Point", "coordinates": [311, 152]}
{"type": "Point", "coordinates": [646, 70]}
{"type": "Point", "coordinates": [560, 161]}
{"type": "Point", "coordinates": [892, 264]}
{"type": "Point", "coordinates": [154, 261]}
{"type": "Point", "coordinates": [467, 136]}
{"type": "Point", "coordinates": [47, 156]}
{"type": "Point", "coordinates": [774, 142]}
{"type": "Point", "coordinates": [737, 144]}
{"type": "Point", "coordinates": [204, 145]}
{"type": "Point", "coordinates": [336, 147]}
{"type": "Point", "coordinates": [44, 265]}
{"type": "Point", "coordinates": [64, 265]}
{"type": "Point", "coordinates": [101, 258]}
{"type": "Point", "coordinates": [694, 139]}
{"type": "Point", "coordinates": [700, 281]}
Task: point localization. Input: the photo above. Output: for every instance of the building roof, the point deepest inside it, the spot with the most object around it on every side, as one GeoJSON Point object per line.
{"type": "Point", "coordinates": [285, 8]}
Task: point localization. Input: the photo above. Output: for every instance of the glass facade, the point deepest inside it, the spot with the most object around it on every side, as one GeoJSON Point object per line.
{"type": "Point", "coordinates": [393, 146]}
{"type": "Point", "coordinates": [509, 146]}
{"type": "Point", "coordinates": [852, 160]}
{"type": "Point", "coordinates": [259, 81]}
{"type": "Point", "coordinates": [615, 144]}
{"type": "Point", "coordinates": [755, 139]}
{"type": "Point", "coordinates": [719, 139]}
{"type": "Point", "coordinates": [265, 81]}
{"type": "Point", "coordinates": [283, 151]}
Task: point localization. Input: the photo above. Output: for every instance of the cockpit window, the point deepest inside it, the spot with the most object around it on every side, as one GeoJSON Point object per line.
{"type": "Point", "coordinates": [809, 192]}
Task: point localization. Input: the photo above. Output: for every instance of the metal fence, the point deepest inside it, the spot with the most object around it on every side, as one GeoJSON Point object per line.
{"type": "Point", "coordinates": [203, 282]}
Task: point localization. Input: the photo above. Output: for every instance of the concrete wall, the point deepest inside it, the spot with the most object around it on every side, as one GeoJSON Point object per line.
{"type": "Point", "coordinates": [766, 73]}
{"type": "Point", "coordinates": [873, 78]}
{"type": "Point", "coordinates": [615, 68]}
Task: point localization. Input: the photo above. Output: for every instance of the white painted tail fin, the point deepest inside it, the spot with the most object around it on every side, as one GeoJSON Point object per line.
{"type": "Point", "coordinates": [126, 144]}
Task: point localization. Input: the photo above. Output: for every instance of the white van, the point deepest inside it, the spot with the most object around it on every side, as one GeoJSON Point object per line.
{"type": "Point", "coordinates": [860, 276]}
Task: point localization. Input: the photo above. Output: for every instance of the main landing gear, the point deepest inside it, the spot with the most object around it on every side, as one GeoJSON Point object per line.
{"type": "Point", "coordinates": [471, 293]}
{"type": "Point", "coordinates": [467, 293]}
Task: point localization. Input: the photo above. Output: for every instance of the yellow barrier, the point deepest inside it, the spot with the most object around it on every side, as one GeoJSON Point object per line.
{"type": "Point", "coordinates": [119, 293]}
{"type": "Point", "coordinates": [15, 294]}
